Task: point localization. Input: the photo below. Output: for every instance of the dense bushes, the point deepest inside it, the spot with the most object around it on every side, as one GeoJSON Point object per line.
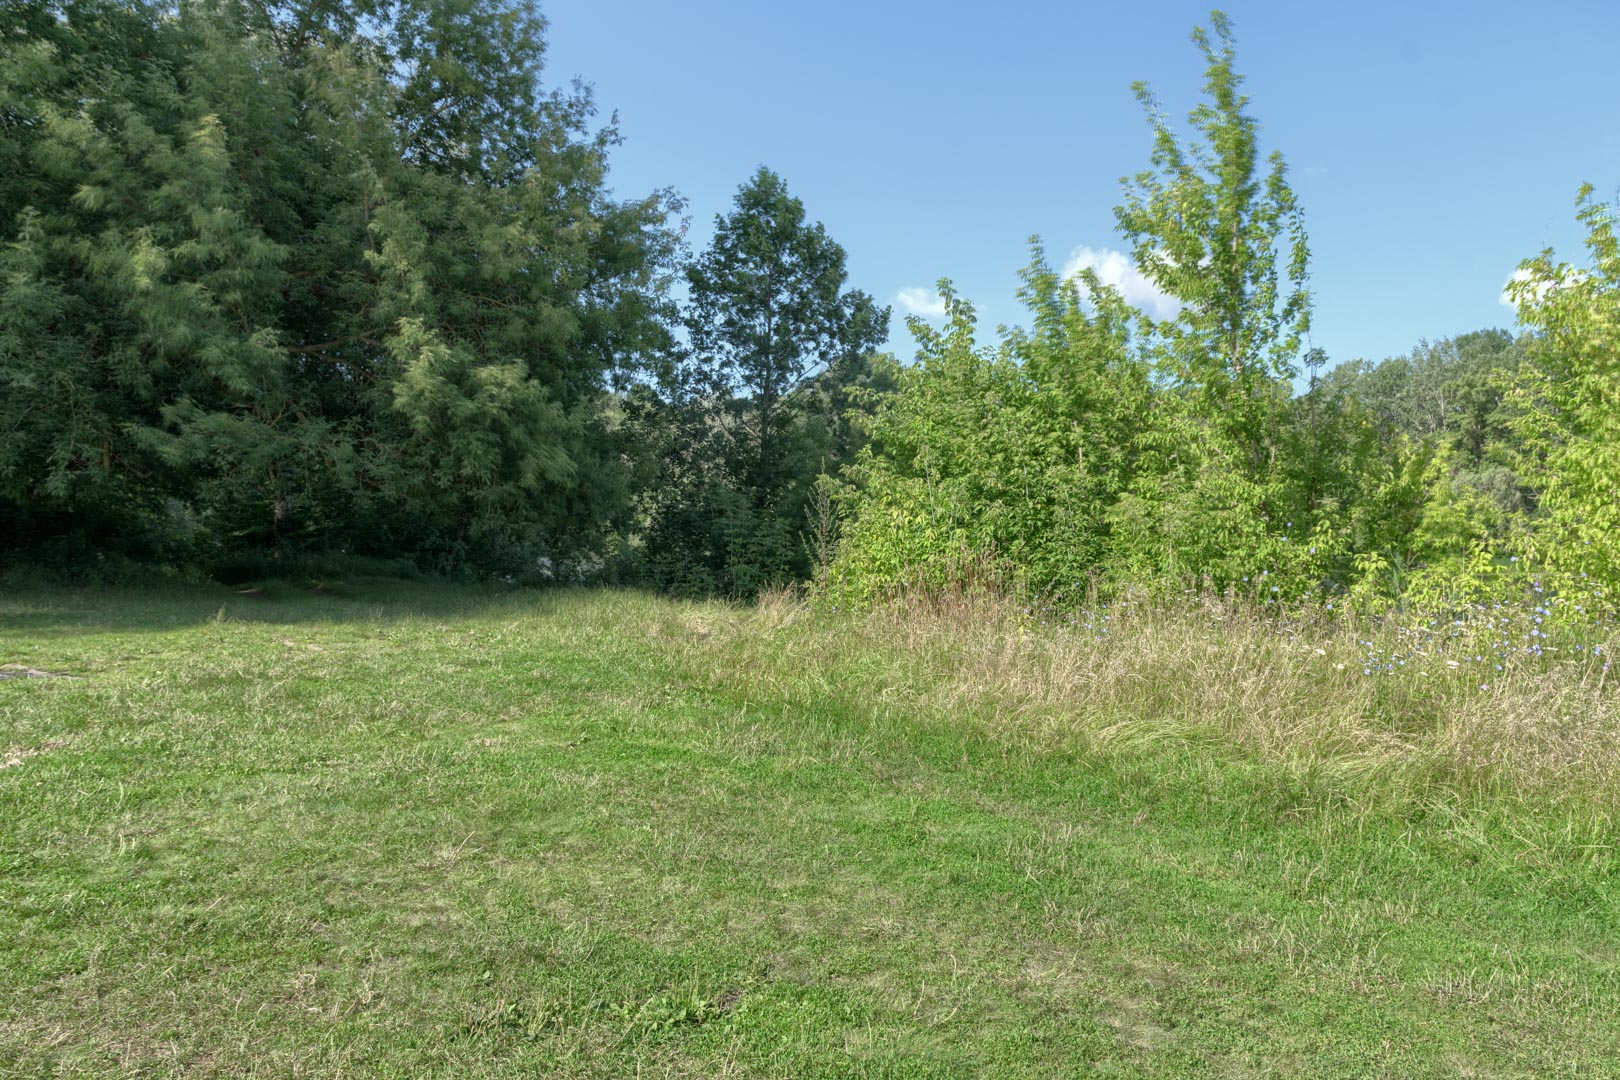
{"type": "Point", "coordinates": [1104, 448]}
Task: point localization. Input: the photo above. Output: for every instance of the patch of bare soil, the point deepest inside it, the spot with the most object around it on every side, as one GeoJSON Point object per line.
{"type": "Point", "coordinates": [23, 671]}
{"type": "Point", "coordinates": [13, 756]}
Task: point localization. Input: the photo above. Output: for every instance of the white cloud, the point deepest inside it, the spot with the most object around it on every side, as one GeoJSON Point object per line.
{"type": "Point", "coordinates": [1115, 268]}
{"type": "Point", "coordinates": [1538, 292]}
{"type": "Point", "coordinates": [924, 302]}
{"type": "Point", "coordinates": [1504, 297]}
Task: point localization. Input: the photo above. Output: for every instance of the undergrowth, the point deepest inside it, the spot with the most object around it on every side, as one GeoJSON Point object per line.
{"type": "Point", "coordinates": [1490, 712]}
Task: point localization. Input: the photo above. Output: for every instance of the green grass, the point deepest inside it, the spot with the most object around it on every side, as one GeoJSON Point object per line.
{"type": "Point", "coordinates": [414, 831]}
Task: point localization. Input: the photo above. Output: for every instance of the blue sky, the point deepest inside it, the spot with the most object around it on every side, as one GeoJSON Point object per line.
{"type": "Point", "coordinates": [1432, 144]}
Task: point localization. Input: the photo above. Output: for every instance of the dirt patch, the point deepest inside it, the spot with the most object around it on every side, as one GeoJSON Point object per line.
{"type": "Point", "coordinates": [13, 756]}
{"type": "Point", "coordinates": [728, 1000]}
{"type": "Point", "coordinates": [23, 671]}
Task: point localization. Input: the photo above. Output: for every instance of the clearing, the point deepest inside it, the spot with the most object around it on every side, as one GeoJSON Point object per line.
{"type": "Point", "coordinates": [409, 830]}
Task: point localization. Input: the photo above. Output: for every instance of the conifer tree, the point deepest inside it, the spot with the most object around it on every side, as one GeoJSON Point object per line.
{"type": "Point", "coordinates": [314, 275]}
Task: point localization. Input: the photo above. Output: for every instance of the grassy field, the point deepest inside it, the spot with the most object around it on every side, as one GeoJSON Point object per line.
{"type": "Point", "coordinates": [404, 831]}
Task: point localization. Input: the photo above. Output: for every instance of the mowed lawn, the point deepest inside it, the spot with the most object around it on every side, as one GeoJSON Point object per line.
{"type": "Point", "coordinates": [403, 830]}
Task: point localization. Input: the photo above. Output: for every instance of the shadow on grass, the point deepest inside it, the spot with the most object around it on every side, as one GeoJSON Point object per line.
{"type": "Point", "coordinates": [71, 611]}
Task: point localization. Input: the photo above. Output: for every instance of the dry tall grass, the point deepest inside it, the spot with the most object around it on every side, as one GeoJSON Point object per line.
{"type": "Point", "coordinates": [1375, 712]}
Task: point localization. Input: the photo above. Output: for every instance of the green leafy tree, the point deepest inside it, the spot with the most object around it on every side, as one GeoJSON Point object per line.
{"type": "Point", "coordinates": [1568, 398]}
{"type": "Point", "coordinates": [1439, 492]}
{"type": "Point", "coordinates": [1221, 233]}
{"type": "Point", "coordinates": [134, 280]}
{"type": "Point", "coordinates": [1010, 455]}
{"type": "Point", "coordinates": [768, 310]}
{"type": "Point", "coordinates": [1452, 388]}
{"type": "Point", "coordinates": [773, 337]}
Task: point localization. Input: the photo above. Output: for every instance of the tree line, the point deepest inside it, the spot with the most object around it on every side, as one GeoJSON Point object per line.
{"type": "Point", "coordinates": [284, 279]}
{"type": "Point", "coordinates": [1105, 448]}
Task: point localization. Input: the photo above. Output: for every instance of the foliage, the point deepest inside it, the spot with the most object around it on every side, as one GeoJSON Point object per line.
{"type": "Point", "coordinates": [312, 275]}
{"type": "Point", "coordinates": [1109, 442]}
{"type": "Point", "coordinates": [756, 407]}
{"type": "Point", "coordinates": [1569, 418]}
{"type": "Point", "coordinates": [1451, 493]}
{"type": "Point", "coordinates": [1226, 243]}
{"type": "Point", "coordinates": [1013, 452]}
{"type": "Point", "coordinates": [1166, 453]}
{"type": "Point", "coordinates": [288, 283]}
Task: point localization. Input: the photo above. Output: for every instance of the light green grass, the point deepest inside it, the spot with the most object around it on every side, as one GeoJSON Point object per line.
{"type": "Point", "coordinates": [418, 831]}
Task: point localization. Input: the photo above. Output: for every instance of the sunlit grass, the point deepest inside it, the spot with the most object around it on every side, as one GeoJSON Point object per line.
{"type": "Point", "coordinates": [410, 830]}
{"type": "Point", "coordinates": [1400, 708]}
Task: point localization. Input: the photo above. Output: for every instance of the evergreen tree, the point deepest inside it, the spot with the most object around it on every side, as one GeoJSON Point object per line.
{"type": "Point", "coordinates": [314, 275]}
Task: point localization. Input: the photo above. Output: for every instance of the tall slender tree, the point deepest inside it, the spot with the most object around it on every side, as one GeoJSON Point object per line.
{"type": "Point", "coordinates": [770, 324]}
{"type": "Point", "coordinates": [768, 311]}
{"type": "Point", "coordinates": [1569, 409]}
{"type": "Point", "coordinates": [1219, 231]}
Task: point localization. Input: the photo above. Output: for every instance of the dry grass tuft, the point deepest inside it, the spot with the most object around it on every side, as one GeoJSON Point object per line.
{"type": "Point", "coordinates": [14, 756]}
{"type": "Point", "coordinates": [1387, 710]}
